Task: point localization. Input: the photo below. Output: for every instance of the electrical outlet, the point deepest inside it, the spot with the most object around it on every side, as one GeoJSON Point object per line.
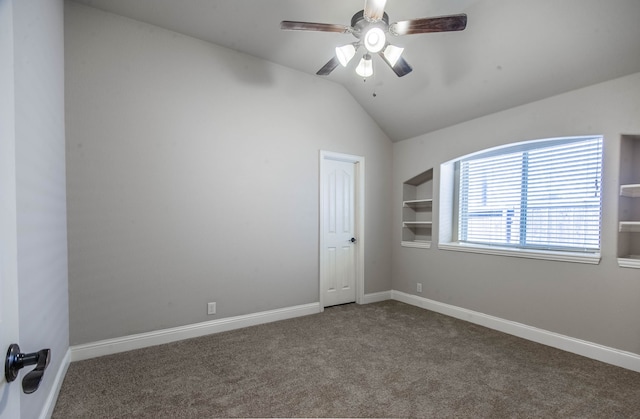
{"type": "Point", "coordinates": [211, 308]}
{"type": "Point", "coordinates": [419, 287]}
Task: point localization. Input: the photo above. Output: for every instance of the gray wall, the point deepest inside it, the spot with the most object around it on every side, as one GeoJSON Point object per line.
{"type": "Point", "coordinates": [40, 187]}
{"type": "Point", "coordinates": [594, 303]}
{"type": "Point", "coordinates": [193, 177]}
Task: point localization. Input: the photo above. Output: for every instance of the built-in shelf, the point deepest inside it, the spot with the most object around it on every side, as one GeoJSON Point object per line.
{"type": "Point", "coordinates": [631, 191]}
{"type": "Point", "coordinates": [631, 261]}
{"type": "Point", "coordinates": [630, 226]}
{"type": "Point", "coordinates": [417, 224]}
{"type": "Point", "coordinates": [417, 206]}
{"type": "Point", "coordinates": [417, 243]}
{"type": "Point", "coordinates": [418, 203]}
{"type": "Point", "coordinates": [629, 203]}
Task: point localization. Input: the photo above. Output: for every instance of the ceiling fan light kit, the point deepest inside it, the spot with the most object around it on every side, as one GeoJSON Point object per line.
{"type": "Point", "coordinates": [345, 53]}
{"type": "Point", "coordinates": [365, 67]}
{"type": "Point", "coordinates": [392, 54]}
{"type": "Point", "coordinates": [374, 40]}
{"type": "Point", "coordinates": [371, 27]}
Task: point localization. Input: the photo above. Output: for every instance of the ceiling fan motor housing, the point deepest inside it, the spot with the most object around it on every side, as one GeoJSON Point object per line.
{"type": "Point", "coordinates": [360, 25]}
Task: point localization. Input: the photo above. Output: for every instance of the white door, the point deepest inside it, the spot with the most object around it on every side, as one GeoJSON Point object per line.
{"type": "Point", "coordinates": [338, 269]}
{"type": "Point", "coordinates": [9, 393]}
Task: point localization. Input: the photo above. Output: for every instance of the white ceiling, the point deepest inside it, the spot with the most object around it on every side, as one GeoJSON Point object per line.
{"type": "Point", "coordinates": [511, 53]}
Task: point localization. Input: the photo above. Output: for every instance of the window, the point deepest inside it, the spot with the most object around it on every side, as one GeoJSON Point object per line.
{"type": "Point", "coordinates": [538, 196]}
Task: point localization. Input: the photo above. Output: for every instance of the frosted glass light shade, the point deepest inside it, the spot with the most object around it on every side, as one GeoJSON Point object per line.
{"type": "Point", "coordinates": [365, 67]}
{"type": "Point", "coordinates": [345, 53]}
{"type": "Point", "coordinates": [392, 54]}
{"type": "Point", "coordinates": [374, 40]}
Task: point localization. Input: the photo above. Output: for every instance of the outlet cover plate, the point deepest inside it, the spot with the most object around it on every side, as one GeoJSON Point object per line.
{"type": "Point", "coordinates": [211, 308]}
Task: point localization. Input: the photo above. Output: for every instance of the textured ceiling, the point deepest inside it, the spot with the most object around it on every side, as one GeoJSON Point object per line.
{"type": "Point", "coordinates": [511, 53]}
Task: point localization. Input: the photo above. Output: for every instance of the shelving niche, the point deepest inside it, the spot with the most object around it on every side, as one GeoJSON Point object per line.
{"type": "Point", "coordinates": [629, 203]}
{"type": "Point", "coordinates": [417, 214]}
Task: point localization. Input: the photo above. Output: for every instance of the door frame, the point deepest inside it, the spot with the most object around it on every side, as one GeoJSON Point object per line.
{"type": "Point", "coordinates": [9, 318]}
{"type": "Point", "coordinates": [359, 183]}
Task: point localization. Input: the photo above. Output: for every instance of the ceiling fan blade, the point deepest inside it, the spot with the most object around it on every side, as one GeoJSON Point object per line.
{"type": "Point", "coordinates": [328, 67]}
{"type": "Point", "coordinates": [374, 10]}
{"type": "Point", "coordinates": [430, 24]}
{"type": "Point", "coordinates": [289, 25]}
{"type": "Point", "coordinates": [401, 68]}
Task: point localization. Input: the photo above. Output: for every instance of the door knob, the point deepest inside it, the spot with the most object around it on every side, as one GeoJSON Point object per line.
{"type": "Point", "coordinates": [352, 240]}
{"type": "Point", "coordinates": [16, 360]}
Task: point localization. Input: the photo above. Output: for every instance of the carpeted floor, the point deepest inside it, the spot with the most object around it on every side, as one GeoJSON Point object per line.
{"type": "Point", "coordinates": [386, 359]}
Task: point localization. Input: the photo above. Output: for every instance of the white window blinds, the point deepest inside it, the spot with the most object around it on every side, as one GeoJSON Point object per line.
{"type": "Point", "coordinates": [538, 195]}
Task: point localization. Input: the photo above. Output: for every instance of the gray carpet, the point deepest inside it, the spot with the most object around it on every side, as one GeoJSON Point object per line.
{"type": "Point", "coordinates": [386, 359]}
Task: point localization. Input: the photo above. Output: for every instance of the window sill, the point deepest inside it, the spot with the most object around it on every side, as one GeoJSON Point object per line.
{"type": "Point", "coordinates": [590, 258]}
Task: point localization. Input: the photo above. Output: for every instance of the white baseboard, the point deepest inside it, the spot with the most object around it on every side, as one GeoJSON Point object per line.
{"type": "Point", "coordinates": [376, 297]}
{"type": "Point", "coordinates": [591, 350]}
{"type": "Point", "coordinates": [159, 337]}
{"type": "Point", "coordinates": [52, 397]}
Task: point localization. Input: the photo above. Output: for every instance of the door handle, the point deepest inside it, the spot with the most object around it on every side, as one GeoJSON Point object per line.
{"type": "Point", "coordinates": [352, 239]}
{"type": "Point", "coordinates": [16, 360]}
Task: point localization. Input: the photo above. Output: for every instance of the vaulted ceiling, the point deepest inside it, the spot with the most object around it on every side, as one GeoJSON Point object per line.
{"type": "Point", "coordinates": [511, 53]}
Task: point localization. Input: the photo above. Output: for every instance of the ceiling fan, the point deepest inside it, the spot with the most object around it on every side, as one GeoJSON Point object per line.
{"type": "Point", "coordinates": [371, 26]}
